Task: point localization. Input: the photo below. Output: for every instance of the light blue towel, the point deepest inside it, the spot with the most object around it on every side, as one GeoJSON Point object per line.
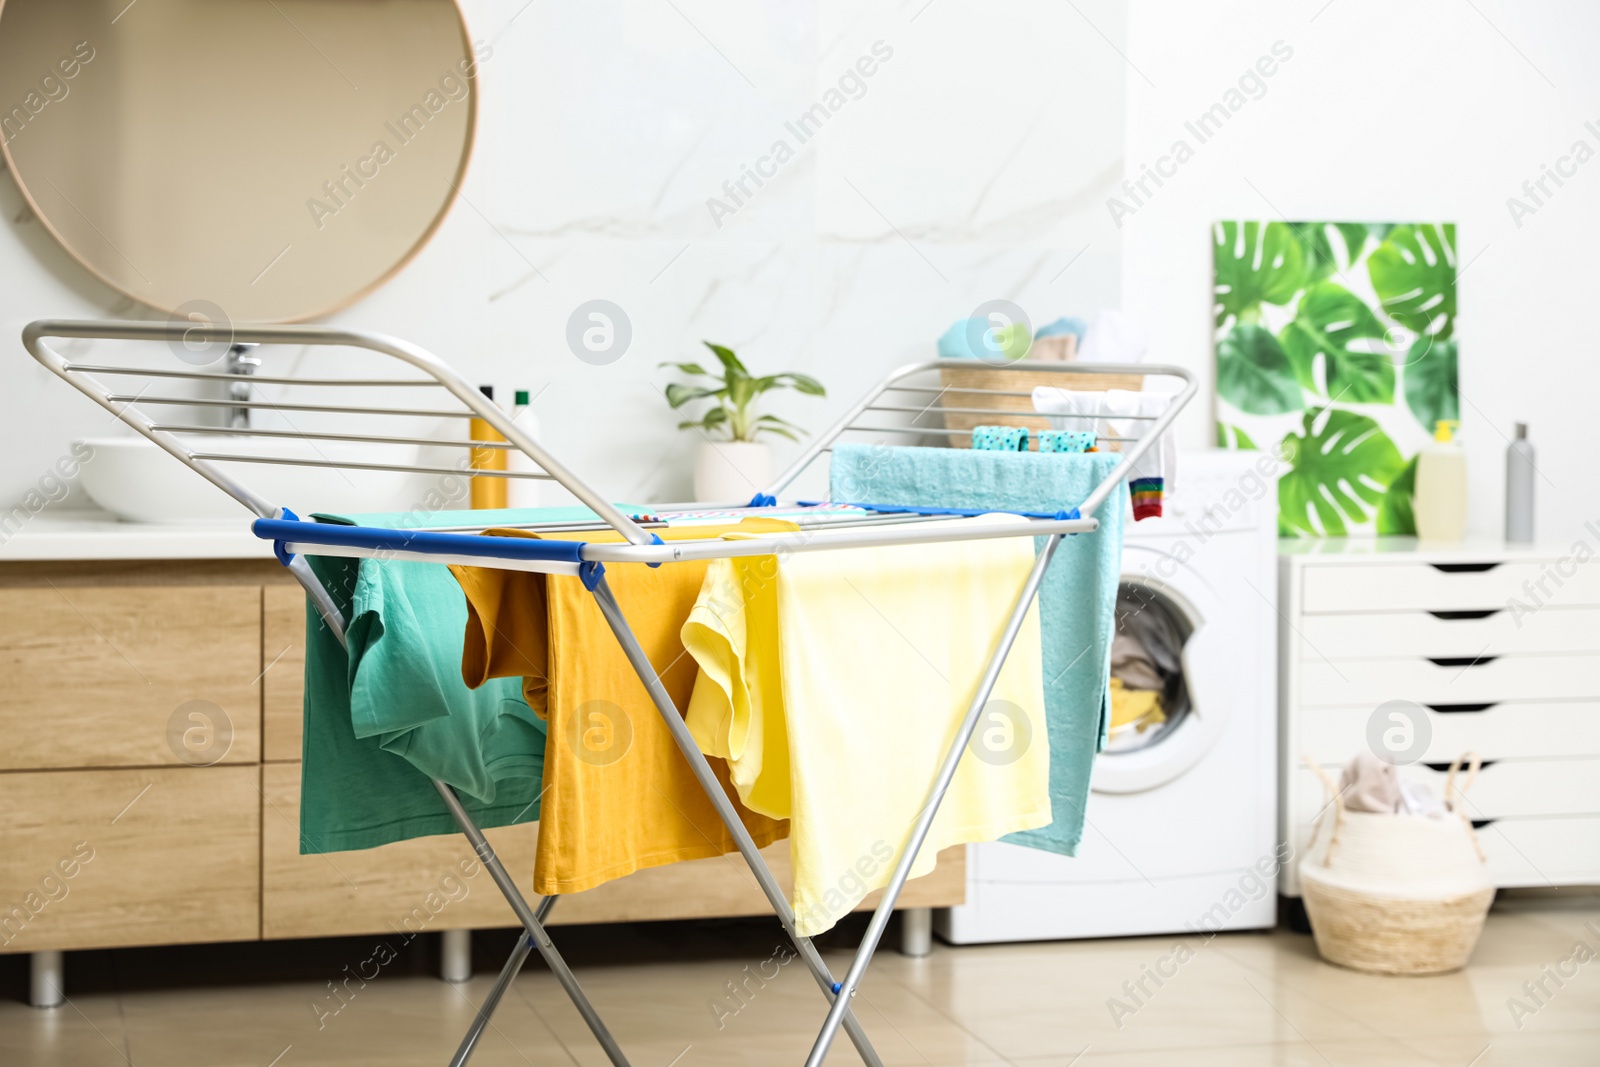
{"type": "Point", "coordinates": [1064, 325]}
{"type": "Point", "coordinates": [980, 339]}
{"type": "Point", "coordinates": [1077, 602]}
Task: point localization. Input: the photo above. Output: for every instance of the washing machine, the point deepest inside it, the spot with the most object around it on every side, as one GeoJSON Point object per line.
{"type": "Point", "coordinates": [1179, 831]}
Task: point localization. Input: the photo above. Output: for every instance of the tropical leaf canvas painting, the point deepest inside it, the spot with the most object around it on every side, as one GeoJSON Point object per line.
{"type": "Point", "coordinates": [1336, 348]}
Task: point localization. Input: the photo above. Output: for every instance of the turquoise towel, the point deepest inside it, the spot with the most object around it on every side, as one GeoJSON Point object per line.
{"type": "Point", "coordinates": [978, 339]}
{"type": "Point", "coordinates": [1077, 602]}
{"type": "Point", "coordinates": [390, 714]}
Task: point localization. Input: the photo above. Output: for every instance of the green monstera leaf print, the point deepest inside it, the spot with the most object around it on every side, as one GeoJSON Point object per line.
{"type": "Point", "coordinates": [1235, 438]}
{"type": "Point", "coordinates": [1255, 263]}
{"type": "Point", "coordinates": [1334, 330]}
{"type": "Point", "coordinates": [1414, 273]}
{"type": "Point", "coordinates": [1341, 465]}
{"type": "Point", "coordinates": [1429, 380]}
{"type": "Point", "coordinates": [1395, 515]}
{"type": "Point", "coordinates": [1322, 254]}
{"type": "Point", "coordinates": [1254, 375]}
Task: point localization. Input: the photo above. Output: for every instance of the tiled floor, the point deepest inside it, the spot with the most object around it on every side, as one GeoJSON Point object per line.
{"type": "Point", "coordinates": [1243, 999]}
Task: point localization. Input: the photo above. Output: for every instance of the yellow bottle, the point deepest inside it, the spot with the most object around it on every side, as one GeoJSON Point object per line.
{"type": "Point", "coordinates": [487, 492]}
{"type": "Point", "coordinates": [1440, 502]}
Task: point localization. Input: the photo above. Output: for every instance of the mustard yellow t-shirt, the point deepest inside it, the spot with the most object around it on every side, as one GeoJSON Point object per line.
{"type": "Point", "coordinates": [834, 682]}
{"type": "Point", "coordinates": [618, 795]}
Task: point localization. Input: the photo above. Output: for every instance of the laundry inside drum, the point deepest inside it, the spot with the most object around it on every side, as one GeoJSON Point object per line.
{"type": "Point", "coordinates": [1149, 692]}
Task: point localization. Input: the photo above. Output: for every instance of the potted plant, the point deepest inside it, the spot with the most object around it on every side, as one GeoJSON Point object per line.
{"type": "Point", "coordinates": [732, 465]}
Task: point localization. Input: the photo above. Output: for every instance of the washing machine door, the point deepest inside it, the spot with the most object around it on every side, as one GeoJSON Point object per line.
{"type": "Point", "coordinates": [1169, 657]}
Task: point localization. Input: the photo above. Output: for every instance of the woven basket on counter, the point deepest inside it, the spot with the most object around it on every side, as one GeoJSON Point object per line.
{"type": "Point", "coordinates": [1396, 894]}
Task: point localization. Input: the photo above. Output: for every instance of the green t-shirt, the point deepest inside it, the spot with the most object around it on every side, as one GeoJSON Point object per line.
{"type": "Point", "coordinates": [392, 712]}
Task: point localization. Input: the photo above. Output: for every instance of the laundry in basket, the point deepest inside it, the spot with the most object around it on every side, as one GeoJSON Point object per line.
{"type": "Point", "coordinates": [1396, 893]}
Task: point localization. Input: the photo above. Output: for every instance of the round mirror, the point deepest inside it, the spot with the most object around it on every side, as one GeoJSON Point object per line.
{"type": "Point", "coordinates": [241, 160]}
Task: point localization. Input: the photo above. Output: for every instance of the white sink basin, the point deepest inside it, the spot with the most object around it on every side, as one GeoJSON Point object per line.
{"type": "Point", "coordinates": [137, 481]}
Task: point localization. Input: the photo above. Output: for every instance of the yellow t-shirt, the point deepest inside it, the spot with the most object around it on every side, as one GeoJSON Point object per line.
{"type": "Point", "coordinates": [834, 683]}
{"type": "Point", "coordinates": [619, 796]}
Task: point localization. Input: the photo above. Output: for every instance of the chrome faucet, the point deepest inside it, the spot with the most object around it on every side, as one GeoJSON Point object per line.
{"type": "Point", "coordinates": [240, 363]}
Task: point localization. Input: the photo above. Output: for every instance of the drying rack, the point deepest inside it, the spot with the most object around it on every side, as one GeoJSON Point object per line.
{"type": "Point", "coordinates": [908, 406]}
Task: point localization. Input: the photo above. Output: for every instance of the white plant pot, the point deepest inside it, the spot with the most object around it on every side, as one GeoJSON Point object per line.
{"type": "Point", "coordinates": [731, 472]}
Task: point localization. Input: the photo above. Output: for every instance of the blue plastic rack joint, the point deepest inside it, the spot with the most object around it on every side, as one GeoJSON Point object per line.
{"type": "Point", "coordinates": [279, 548]}
{"type": "Point", "coordinates": [763, 500]}
{"type": "Point", "coordinates": [590, 572]}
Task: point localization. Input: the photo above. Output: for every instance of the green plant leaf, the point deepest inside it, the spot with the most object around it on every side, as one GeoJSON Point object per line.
{"type": "Point", "coordinates": [1340, 467]}
{"type": "Point", "coordinates": [1430, 382]}
{"type": "Point", "coordinates": [1355, 240]}
{"type": "Point", "coordinates": [1322, 255]}
{"type": "Point", "coordinates": [730, 363]}
{"type": "Point", "coordinates": [782, 427]}
{"type": "Point", "coordinates": [1333, 328]}
{"type": "Point", "coordinates": [1395, 514]}
{"type": "Point", "coordinates": [1414, 273]}
{"type": "Point", "coordinates": [689, 368]}
{"type": "Point", "coordinates": [781, 431]}
{"type": "Point", "coordinates": [713, 420]}
{"type": "Point", "coordinates": [1233, 437]}
{"type": "Point", "coordinates": [1253, 373]}
{"type": "Point", "coordinates": [679, 395]}
{"type": "Point", "coordinates": [1254, 263]}
{"type": "Point", "coordinates": [801, 383]}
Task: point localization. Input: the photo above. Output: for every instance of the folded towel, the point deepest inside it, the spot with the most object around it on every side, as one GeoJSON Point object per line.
{"type": "Point", "coordinates": [1065, 441]}
{"type": "Point", "coordinates": [1109, 414]}
{"type": "Point", "coordinates": [1077, 599]}
{"type": "Point", "coordinates": [1066, 325]}
{"type": "Point", "coordinates": [981, 339]}
{"type": "Point", "coordinates": [1000, 438]}
{"type": "Point", "coordinates": [390, 713]}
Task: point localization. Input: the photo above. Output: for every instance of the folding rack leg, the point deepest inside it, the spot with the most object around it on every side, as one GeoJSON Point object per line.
{"type": "Point", "coordinates": [919, 833]}
{"type": "Point", "coordinates": [730, 818]}
{"type": "Point", "coordinates": [534, 928]}
{"type": "Point", "coordinates": [508, 974]}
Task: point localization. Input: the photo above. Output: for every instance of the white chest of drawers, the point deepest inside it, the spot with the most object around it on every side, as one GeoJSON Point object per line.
{"type": "Point", "coordinates": [1495, 648]}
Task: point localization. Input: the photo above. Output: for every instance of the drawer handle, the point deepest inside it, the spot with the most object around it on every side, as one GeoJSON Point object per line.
{"type": "Point", "coordinates": [1445, 766]}
{"type": "Point", "coordinates": [1454, 616]}
{"type": "Point", "coordinates": [1464, 568]}
{"type": "Point", "coordinates": [1461, 661]}
{"type": "Point", "coordinates": [1479, 824]}
{"type": "Point", "coordinates": [1459, 709]}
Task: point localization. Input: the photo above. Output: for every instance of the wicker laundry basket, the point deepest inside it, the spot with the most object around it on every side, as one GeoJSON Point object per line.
{"type": "Point", "coordinates": [1396, 894]}
{"type": "Point", "coordinates": [987, 377]}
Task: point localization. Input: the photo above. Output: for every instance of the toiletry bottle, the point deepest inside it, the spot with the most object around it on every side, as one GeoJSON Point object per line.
{"type": "Point", "coordinates": [1440, 503]}
{"type": "Point", "coordinates": [523, 492]}
{"type": "Point", "coordinates": [1519, 487]}
{"type": "Point", "coordinates": [487, 492]}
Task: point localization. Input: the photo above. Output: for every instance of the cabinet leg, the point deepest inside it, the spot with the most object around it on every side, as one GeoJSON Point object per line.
{"type": "Point", "coordinates": [47, 979]}
{"type": "Point", "coordinates": [455, 955]}
{"type": "Point", "coordinates": [916, 931]}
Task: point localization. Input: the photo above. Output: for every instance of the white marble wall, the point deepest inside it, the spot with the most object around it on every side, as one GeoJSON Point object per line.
{"type": "Point", "coordinates": [973, 165]}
